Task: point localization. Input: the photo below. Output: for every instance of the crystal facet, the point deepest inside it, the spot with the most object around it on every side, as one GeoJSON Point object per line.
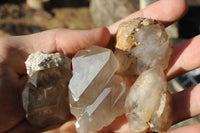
{"type": "Point", "coordinates": [97, 96]}
{"type": "Point", "coordinates": [107, 106]}
{"type": "Point", "coordinates": [92, 69]}
{"type": "Point", "coordinates": [45, 96]}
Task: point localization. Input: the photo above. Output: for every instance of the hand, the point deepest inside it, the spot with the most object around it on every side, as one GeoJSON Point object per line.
{"type": "Point", "coordinates": [14, 51]}
{"type": "Point", "coordinates": [184, 59]}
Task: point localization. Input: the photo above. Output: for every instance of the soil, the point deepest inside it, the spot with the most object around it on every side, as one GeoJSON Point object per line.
{"type": "Point", "coordinates": [17, 18]}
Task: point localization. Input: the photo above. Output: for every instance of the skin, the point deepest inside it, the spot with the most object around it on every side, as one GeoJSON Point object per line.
{"type": "Point", "coordinates": [15, 50]}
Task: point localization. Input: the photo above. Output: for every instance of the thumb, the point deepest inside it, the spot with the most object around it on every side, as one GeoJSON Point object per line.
{"type": "Point", "coordinates": [65, 40]}
{"type": "Point", "coordinates": [71, 41]}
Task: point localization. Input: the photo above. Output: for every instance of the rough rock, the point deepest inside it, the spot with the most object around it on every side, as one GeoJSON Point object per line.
{"type": "Point", "coordinates": [106, 12]}
{"type": "Point", "coordinates": [45, 96]}
{"type": "Point", "coordinates": [40, 61]}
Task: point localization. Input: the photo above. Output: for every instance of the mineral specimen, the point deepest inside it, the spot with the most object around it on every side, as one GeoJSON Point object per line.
{"type": "Point", "coordinates": [92, 69]}
{"type": "Point", "coordinates": [40, 61]}
{"type": "Point", "coordinates": [144, 46]}
{"type": "Point", "coordinates": [45, 96]}
{"type": "Point", "coordinates": [97, 96]}
{"type": "Point", "coordinates": [106, 107]}
{"type": "Point", "coordinates": [146, 42]}
{"type": "Point", "coordinates": [148, 104]}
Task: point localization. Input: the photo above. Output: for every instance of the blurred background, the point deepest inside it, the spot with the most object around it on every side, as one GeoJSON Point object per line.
{"type": "Point", "coordinates": [22, 17]}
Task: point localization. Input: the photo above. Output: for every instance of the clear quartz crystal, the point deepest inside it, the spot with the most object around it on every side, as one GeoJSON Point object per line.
{"type": "Point", "coordinates": [45, 96]}
{"type": "Point", "coordinates": [107, 106]}
{"type": "Point", "coordinates": [147, 43]}
{"type": "Point", "coordinates": [92, 69]}
{"type": "Point", "coordinates": [97, 96]}
{"type": "Point", "coordinates": [143, 49]}
{"type": "Point", "coordinates": [148, 104]}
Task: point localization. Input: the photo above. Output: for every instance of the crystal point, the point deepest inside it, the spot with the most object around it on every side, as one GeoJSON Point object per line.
{"type": "Point", "coordinates": [97, 95]}
{"type": "Point", "coordinates": [92, 69]}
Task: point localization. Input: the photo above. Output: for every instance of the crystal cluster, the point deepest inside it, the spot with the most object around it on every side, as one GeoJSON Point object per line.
{"type": "Point", "coordinates": [144, 46]}
{"type": "Point", "coordinates": [97, 95]}
{"type": "Point", "coordinates": [45, 96]}
{"type": "Point", "coordinates": [97, 92]}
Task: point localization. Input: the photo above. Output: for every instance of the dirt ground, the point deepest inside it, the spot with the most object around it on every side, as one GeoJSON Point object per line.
{"type": "Point", "coordinates": [16, 18]}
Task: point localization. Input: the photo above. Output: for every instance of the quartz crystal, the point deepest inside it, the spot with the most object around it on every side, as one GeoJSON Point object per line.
{"type": "Point", "coordinates": [127, 64]}
{"type": "Point", "coordinates": [107, 106]}
{"type": "Point", "coordinates": [92, 69]}
{"type": "Point", "coordinates": [148, 104]}
{"type": "Point", "coordinates": [45, 96]}
{"type": "Point", "coordinates": [146, 41]}
{"type": "Point", "coordinates": [97, 96]}
{"type": "Point", "coordinates": [143, 49]}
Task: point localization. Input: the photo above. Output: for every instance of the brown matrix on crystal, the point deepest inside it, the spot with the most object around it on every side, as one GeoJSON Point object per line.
{"type": "Point", "coordinates": [45, 96]}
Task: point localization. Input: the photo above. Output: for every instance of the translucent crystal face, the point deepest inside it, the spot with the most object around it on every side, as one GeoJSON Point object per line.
{"type": "Point", "coordinates": [148, 101]}
{"type": "Point", "coordinates": [155, 48]}
{"type": "Point", "coordinates": [144, 46]}
{"type": "Point", "coordinates": [97, 95]}
{"type": "Point", "coordinates": [107, 106]}
{"type": "Point", "coordinates": [45, 96]}
{"type": "Point", "coordinates": [147, 44]}
{"type": "Point", "coordinates": [92, 70]}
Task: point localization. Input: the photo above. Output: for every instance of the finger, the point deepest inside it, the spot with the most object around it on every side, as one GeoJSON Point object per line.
{"type": "Point", "coordinates": [59, 40]}
{"type": "Point", "coordinates": [186, 103]}
{"type": "Point", "coordinates": [165, 11]}
{"type": "Point", "coordinates": [120, 125]}
{"type": "Point", "coordinates": [184, 58]}
{"type": "Point", "coordinates": [124, 129]}
{"type": "Point", "coordinates": [68, 41]}
{"type": "Point", "coordinates": [187, 129]}
{"type": "Point", "coordinates": [69, 126]}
